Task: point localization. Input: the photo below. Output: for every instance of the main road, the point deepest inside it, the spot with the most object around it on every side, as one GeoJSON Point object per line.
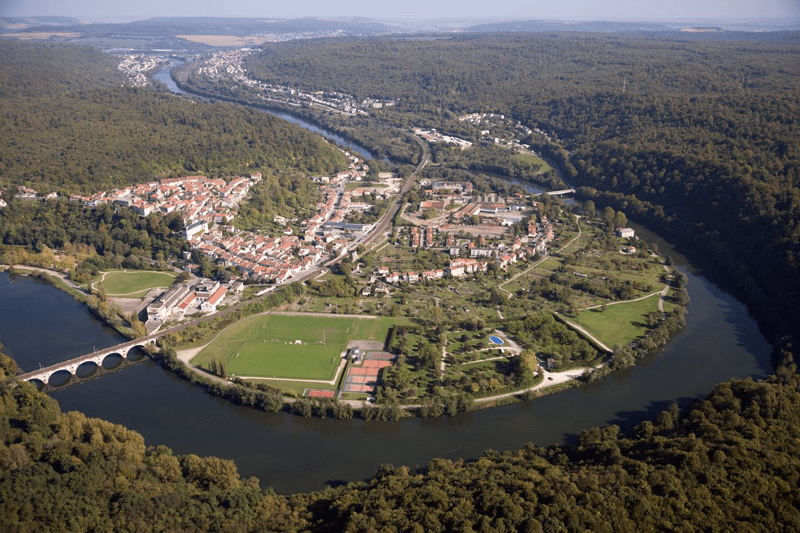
{"type": "Point", "coordinates": [385, 221]}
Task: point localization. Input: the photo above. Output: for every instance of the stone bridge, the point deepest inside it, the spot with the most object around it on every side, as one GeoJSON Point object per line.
{"type": "Point", "coordinates": [560, 193]}
{"type": "Point", "coordinates": [97, 357]}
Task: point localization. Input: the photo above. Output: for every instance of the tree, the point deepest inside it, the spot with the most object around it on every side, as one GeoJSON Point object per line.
{"type": "Point", "coordinates": [589, 209]}
{"type": "Point", "coordinates": [497, 297]}
{"type": "Point", "coordinates": [524, 365]}
{"type": "Point", "coordinates": [429, 357]}
{"type": "Point", "coordinates": [608, 216]}
{"type": "Point", "coordinates": [620, 220]}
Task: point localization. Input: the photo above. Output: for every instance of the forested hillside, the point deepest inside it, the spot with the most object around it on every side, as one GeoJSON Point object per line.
{"type": "Point", "coordinates": [730, 463]}
{"type": "Point", "coordinates": [69, 126]}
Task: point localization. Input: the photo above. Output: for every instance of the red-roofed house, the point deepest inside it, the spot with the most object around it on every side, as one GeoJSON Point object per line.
{"type": "Point", "coordinates": [210, 305]}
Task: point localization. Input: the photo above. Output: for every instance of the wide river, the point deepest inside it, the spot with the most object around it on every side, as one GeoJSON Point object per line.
{"type": "Point", "coordinates": [41, 325]}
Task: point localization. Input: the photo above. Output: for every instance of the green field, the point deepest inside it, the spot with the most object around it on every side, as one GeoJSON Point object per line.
{"type": "Point", "coordinates": [130, 283]}
{"type": "Point", "coordinates": [618, 324]}
{"type": "Point", "coordinates": [266, 345]}
{"type": "Point", "coordinates": [363, 185]}
{"type": "Point", "coordinates": [375, 329]}
{"type": "Point", "coordinates": [541, 163]}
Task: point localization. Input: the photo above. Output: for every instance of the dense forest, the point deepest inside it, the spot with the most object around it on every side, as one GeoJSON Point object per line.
{"type": "Point", "coordinates": [104, 236]}
{"type": "Point", "coordinates": [729, 463]}
{"type": "Point", "coordinates": [68, 126]}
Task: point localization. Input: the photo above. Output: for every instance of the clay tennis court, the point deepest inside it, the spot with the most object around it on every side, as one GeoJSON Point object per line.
{"type": "Point", "coordinates": [364, 378]}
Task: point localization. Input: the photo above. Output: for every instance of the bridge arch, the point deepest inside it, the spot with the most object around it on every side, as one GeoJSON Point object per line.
{"type": "Point", "coordinates": [109, 357]}
{"type": "Point", "coordinates": [127, 352]}
{"type": "Point", "coordinates": [62, 377]}
{"type": "Point", "coordinates": [87, 369]}
{"type": "Point", "coordinates": [141, 349]}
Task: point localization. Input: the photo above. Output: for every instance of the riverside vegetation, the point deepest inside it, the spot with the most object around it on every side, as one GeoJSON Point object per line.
{"type": "Point", "coordinates": [680, 470]}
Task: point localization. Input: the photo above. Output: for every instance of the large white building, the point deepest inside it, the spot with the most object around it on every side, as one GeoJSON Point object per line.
{"type": "Point", "coordinates": [196, 228]}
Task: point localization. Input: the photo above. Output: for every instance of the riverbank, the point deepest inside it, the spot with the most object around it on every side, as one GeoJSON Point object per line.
{"type": "Point", "coordinates": [293, 453]}
{"type": "Point", "coordinates": [61, 281]}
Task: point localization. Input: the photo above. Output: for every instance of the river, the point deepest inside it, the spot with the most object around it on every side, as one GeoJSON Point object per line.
{"type": "Point", "coordinates": [293, 454]}
{"type": "Point", "coordinates": [164, 76]}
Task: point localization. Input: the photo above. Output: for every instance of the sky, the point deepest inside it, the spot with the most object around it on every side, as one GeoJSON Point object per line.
{"type": "Point", "coordinates": [642, 10]}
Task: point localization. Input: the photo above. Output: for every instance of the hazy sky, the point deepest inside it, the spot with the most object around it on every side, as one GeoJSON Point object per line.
{"type": "Point", "coordinates": [118, 10]}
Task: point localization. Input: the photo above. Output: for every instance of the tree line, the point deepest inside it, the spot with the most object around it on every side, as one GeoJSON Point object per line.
{"type": "Point", "coordinates": [731, 461]}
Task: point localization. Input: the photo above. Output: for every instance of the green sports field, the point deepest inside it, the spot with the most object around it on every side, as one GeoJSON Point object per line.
{"type": "Point", "coordinates": [132, 283]}
{"type": "Point", "coordinates": [267, 345]}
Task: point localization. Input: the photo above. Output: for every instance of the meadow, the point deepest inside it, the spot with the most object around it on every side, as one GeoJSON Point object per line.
{"type": "Point", "coordinates": [620, 323]}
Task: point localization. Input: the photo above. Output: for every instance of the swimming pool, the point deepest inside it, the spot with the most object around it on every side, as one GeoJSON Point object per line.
{"type": "Point", "coordinates": [496, 340]}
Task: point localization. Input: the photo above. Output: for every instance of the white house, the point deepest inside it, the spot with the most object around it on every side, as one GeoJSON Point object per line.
{"type": "Point", "coordinates": [625, 233]}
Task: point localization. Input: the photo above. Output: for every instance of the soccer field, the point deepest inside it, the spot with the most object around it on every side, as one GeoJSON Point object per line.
{"type": "Point", "coordinates": [295, 347]}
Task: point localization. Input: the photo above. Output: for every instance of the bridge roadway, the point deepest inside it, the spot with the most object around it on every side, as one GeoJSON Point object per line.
{"type": "Point", "coordinates": [560, 193]}
{"type": "Point", "coordinates": [97, 357]}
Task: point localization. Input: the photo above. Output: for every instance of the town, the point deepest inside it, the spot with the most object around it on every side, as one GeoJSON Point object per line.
{"type": "Point", "coordinates": [227, 66]}
{"type": "Point", "coordinates": [475, 231]}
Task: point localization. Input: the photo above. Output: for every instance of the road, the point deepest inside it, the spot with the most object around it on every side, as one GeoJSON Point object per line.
{"type": "Point", "coordinates": [550, 379]}
{"type": "Point", "coordinates": [383, 224]}
{"type": "Point", "coordinates": [585, 333]}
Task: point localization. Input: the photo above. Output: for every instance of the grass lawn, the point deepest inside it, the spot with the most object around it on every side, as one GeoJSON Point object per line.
{"type": "Point", "coordinates": [266, 345]}
{"type": "Point", "coordinates": [129, 283]}
{"type": "Point", "coordinates": [376, 329]}
{"type": "Point", "coordinates": [549, 264]}
{"type": "Point", "coordinates": [543, 166]}
{"type": "Point", "coordinates": [620, 323]}
{"type": "Point", "coordinates": [363, 185]}
{"type": "Point", "coordinates": [482, 365]}
{"type": "Point", "coordinates": [294, 386]}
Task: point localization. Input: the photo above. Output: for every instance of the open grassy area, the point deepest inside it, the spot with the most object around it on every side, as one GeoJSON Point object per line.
{"type": "Point", "coordinates": [541, 163]}
{"type": "Point", "coordinates": [349, 186]}
{"type": "Point", "coordinates": [620, 323]}
{"type": "Point", "coordinates": [130, 283]}
{"type": "Point", "coordinates": [298, 387]}
{"type": "Point", "coordinates": [375, 329]}
{"type": "Point", "coordinates": [288, 346]}
{"type": "Point", "coordinates": [550, 264]}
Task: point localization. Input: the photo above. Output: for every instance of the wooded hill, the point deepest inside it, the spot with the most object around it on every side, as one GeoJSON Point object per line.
{"type": "Point", "coordinates": [730, 463]}
{"type": "Point", "coordinates": [69, 126]}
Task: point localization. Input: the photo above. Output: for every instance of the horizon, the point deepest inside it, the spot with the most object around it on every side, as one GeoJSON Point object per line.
{"type": "Point", "coordinates": [777, 12]}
